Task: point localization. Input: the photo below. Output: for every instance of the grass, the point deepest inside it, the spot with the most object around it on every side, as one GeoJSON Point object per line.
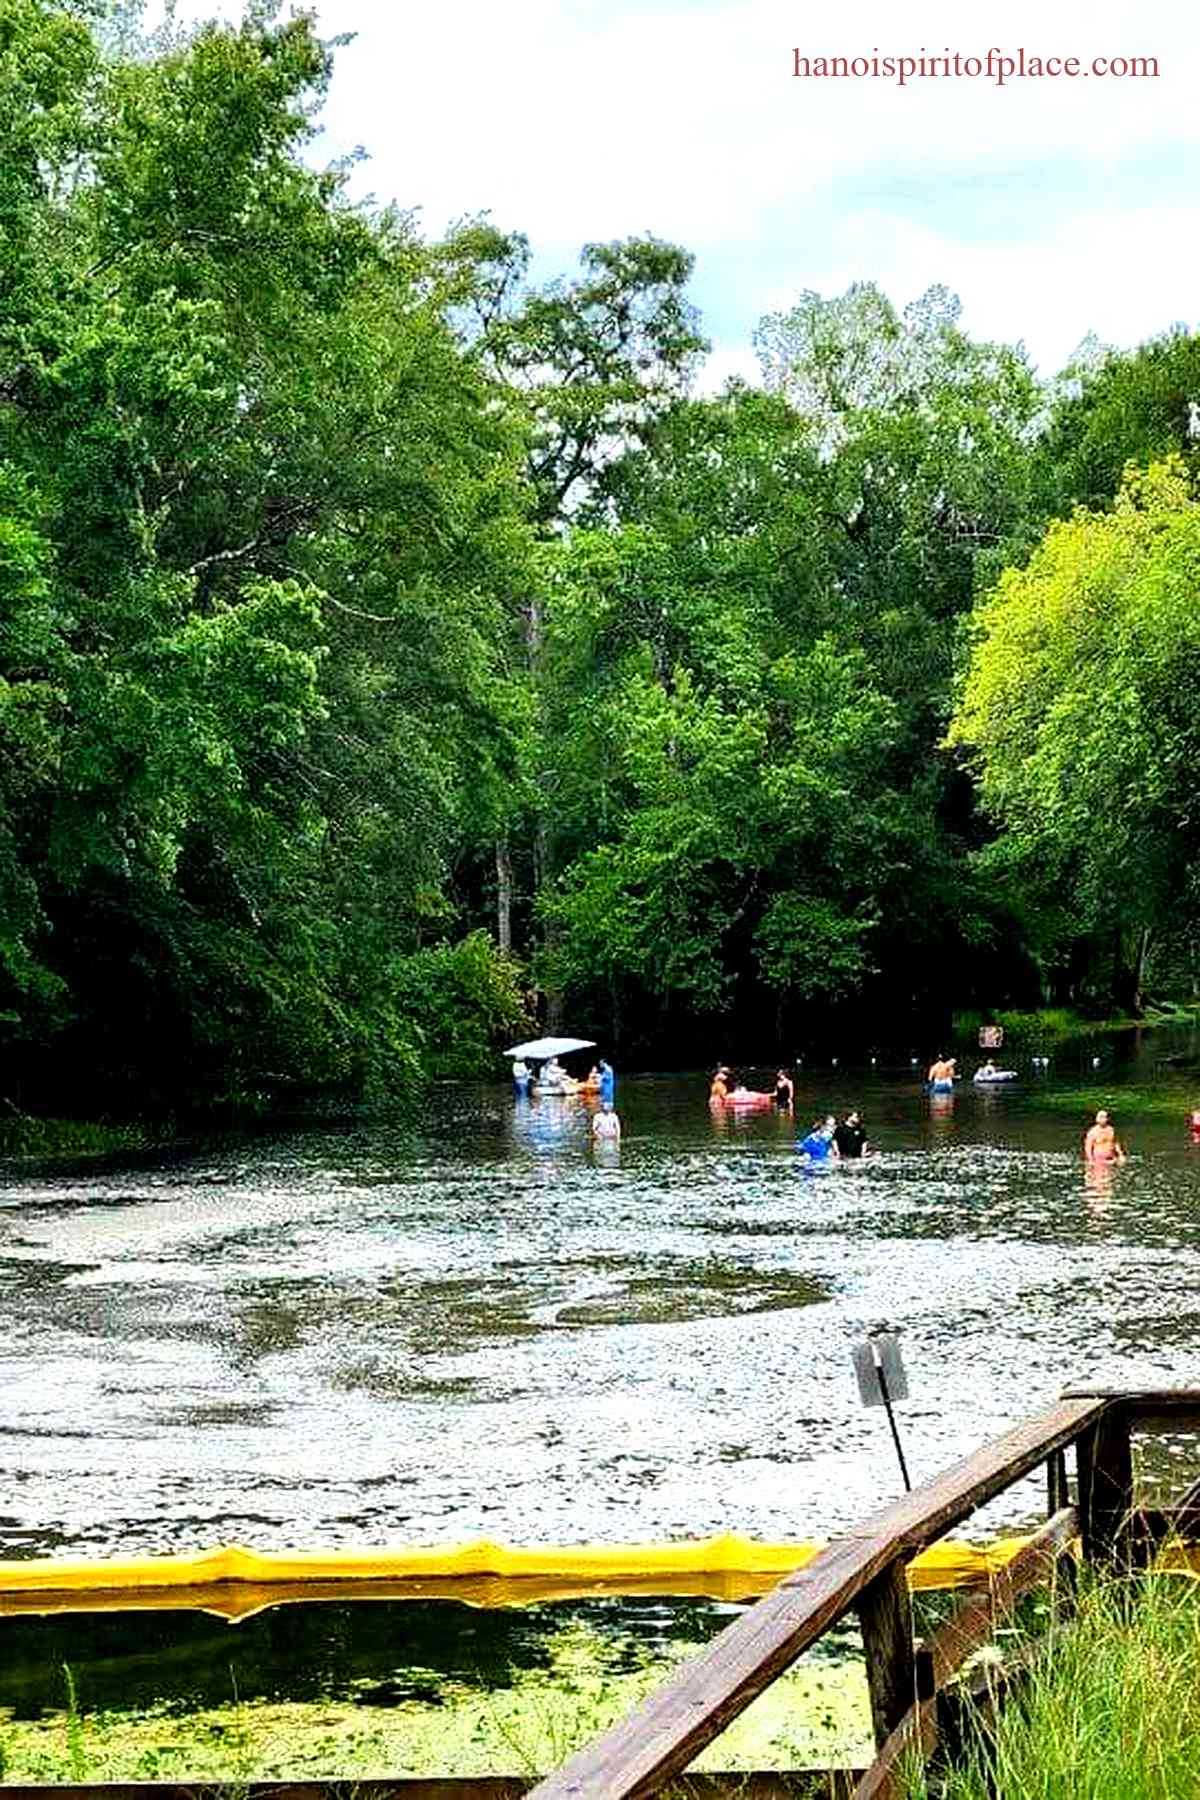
{"type": "Point", "coordinates": [1034, 1030]}
{"type": "Point", "coordinates": [21, 1134]}
{"type": "Point", "coordinates": [1124, 1102]}
{"type": "Point", "coordinates": [1111, 1710]}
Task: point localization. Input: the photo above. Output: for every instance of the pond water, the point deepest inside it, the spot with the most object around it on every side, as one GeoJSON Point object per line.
{"type": "Point", "coordinates": [358, 1336]}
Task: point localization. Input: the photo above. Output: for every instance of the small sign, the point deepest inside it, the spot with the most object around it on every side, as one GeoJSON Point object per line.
{"type": "Point", "coordinates": [991, 1037]}
{"type": "Point", "coordinates": [880, 1355]}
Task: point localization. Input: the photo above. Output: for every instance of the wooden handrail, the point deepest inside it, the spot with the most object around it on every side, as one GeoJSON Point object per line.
{"type": "Point", "coordinates": [1141, 1400]}
{"type": "Point", "coordinates": [966, 1631]}
{"type": "Point", "coordinates": [835, 1784]}
{"type": "Point", "coordinates": [662, 1736]}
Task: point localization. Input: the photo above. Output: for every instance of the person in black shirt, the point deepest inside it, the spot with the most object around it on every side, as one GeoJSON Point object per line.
{"type": "Point", "coordinates": [850, 1137]}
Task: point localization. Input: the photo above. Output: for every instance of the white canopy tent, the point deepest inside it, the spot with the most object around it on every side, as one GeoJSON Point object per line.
{"type": "Point", "coordinates": [543, 1048]}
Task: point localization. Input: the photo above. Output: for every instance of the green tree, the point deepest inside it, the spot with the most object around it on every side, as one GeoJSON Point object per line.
{"type": "Point", "coordinates": [264, 519]}
{"type": "Point", "coordinates": [1122, 407]}
{"type": "Point", "coordinates": [1076, 716]}
{"type": "Point", "coordinates": [595, 360]}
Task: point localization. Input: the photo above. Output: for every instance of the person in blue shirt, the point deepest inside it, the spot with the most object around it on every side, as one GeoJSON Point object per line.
{"type": "Point", "coordinates": [608, 1082]}
{"type": "Point", "coordinates": [819, 1146]}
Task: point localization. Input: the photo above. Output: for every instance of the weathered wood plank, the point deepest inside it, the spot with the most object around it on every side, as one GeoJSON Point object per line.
{"type": "Point", "coordinates": [885, 1615]}
{"type": "Point", "coordinates": [1057, 1493]}
{"type": "Point", "coordinates": [659, 1739]}
{"type": "Point", "coordinates": [772, 1784]}
{"type": "Point", "coordinates": [971, 1626]}
{"type": "Point", "coordinates": [1150, 1410]}
{"type": "Point", "coordinates": [1106, 1489]}
{"type": "Point", "coordinates": [915, 1735]}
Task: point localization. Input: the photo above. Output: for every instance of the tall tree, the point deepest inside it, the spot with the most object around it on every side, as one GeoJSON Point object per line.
{"type": "Point", "coordinates": [1125, 406]}
{"type": "Point", "coordinates": [1076, 715]}
{"type": "Point", "coordinates": [266, 517]}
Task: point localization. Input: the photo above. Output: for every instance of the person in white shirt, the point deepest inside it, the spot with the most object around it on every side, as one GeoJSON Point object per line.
{"type": "Point", "coordinates": [606, 1126]}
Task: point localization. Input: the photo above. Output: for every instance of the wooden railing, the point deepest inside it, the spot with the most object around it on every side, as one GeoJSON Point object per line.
{"type": "Point", "coordinates": [866, 1571]}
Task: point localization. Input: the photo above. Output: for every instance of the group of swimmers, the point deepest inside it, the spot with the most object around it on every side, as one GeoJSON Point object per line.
{"type": "Point", "coordinates": [553, 1078]}
{"type": "Point", "coordinates": [725, 1087]}
{"type": "Point", "coordinates": [830, 1142]}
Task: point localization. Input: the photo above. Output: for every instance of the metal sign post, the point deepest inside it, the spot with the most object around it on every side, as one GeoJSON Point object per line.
{"type": "Point", "coordinates": [881, 1380]}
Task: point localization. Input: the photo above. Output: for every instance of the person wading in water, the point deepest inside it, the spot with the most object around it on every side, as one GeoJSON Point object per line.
{"type": "Point", "coordinates": [606, 1126]}
{"type": "Point", "coordinates": [851, 1138]}
{"type": "Point", "coordinates": [1100, 1144]}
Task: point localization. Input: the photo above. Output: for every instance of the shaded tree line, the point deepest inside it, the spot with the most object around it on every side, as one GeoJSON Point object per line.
{"type": "Point", "coordinates": [394, 649]}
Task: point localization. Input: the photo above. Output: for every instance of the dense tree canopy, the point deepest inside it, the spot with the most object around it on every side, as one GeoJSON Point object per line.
{"type": "Point", "coordinates": [262, 518]}
{"type": "Point", "coordinates": [1078, 714]}
{"type": "Point", "coordinates": [393, 647]}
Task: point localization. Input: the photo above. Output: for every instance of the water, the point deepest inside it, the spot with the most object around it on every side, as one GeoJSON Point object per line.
{"type": "Point", "coordinates": [357, 1337]}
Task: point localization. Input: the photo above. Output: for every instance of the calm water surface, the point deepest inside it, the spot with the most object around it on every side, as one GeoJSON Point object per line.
{"type": "Point", "coordinates": [357, 1336]}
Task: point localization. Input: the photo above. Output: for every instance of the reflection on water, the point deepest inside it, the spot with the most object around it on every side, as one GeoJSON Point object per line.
{"type": "Point", "coordinates": [498, 1327]}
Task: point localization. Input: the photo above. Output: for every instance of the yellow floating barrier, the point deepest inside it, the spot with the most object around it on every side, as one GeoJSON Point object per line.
{"type": "Point", "coordinates": [235, 1581]}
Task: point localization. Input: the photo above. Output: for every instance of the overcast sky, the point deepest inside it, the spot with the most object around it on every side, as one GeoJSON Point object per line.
{"type": "Point", "coordinates": [1052, 207]}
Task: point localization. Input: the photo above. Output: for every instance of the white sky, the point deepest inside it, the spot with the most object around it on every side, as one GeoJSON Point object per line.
{"type": "Point", "coordinates": [1053, 208]}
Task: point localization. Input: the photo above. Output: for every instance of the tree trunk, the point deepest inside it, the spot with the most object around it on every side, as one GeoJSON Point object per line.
{"type": "Point", "coordinates": [504, 895]}
{"type": "Point", "coordinates": [1129, 975]}
{"type": "Point", "coordinates": [1141, 956]}
{"type": "Point", "coordinates": [543, 841]}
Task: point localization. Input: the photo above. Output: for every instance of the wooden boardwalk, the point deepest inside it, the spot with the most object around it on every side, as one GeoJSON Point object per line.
{"type": "Point", "coordinates": [916, 1701]}
{"type": "Point", "coordinates": [865, 1570]}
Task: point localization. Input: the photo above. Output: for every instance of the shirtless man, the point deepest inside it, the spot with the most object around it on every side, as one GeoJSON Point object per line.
{"type": "Point", "coordinates": [1100, 1144]}
{"type": "Point", "coordinates": [941, 1074]}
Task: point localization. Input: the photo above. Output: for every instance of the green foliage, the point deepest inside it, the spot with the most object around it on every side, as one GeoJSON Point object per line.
{"type": "Point", "coordinates": [1075, 709]}
{"type": "Point", "coordinates": [1110, 1707]}
{"type": "Point", "coordinates": [1135, 406]}
{"type": "Point", "coordinates": [354, 586]}
{"type": "Point", "coordinates": [261, 519]}
{"type": "Point", "coordinates": [23, 1135]}
{"type": "Point", "coordinates": [597, 360]}
{"type": "Point", "coordinates": [461, 1000]}
{"type": "Point", "coordinates": [742, 682]}
{"type": "Point", "coordinates": [1031, 1030]}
